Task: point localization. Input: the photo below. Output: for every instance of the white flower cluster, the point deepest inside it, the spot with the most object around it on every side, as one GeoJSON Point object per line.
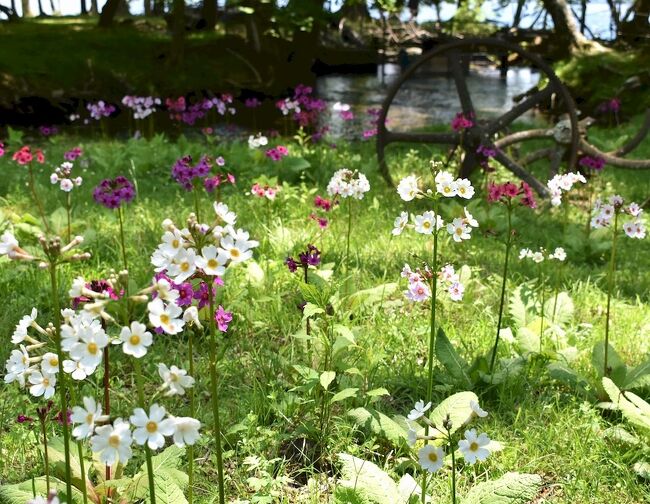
{"type": "Point", "coordinates": [459, 228]}
{"type": "Point", "coordinates": [347, 183]}
{"type": "Point", "coordinates": [62, 176]}
{"type": "Point", "coordinates": [112, 442]}
{"type": "Point", "coordinates": [257, 141]}
{"type": "Point", "coordinates": [558, 254]}
{"type": "Point", "coordinates": [563, 182]}
{"type": "Point", "coordinates": [474, 447]}
{"type": "Point", "coordinates": [418, 289]}
{"type": "Point", "coordinates": [10, 247]}
{"type": "Point", "coordinates": [605, 212]}
{"type": "Point", "coordinates": [142, 106]}
{"type": "Point", "coordinates": [446, 186]}
{"type": "Point", "coordinates": [203, 251]}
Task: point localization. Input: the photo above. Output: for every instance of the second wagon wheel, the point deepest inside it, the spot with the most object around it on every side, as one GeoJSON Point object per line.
{"type": "Point", "coordinates": [485, 130]}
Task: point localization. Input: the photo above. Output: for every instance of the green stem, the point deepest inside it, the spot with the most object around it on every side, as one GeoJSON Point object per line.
{"type": "Point", "coordinates": [611, 282]}
{"type": "Point", "coordinates": [147, 450]}
{"type": "Point", "coordinates": [63, 389]}
{"type": "Point", "coordinates": [215, 395]}
{"type": "Point", "coordinates": [39, 205]}
{"type": "Point", "coordinates": [190, 448]}
{"type": "Point", "coordinates": [122, 241]}
{"type": "Point", "coordinates": [195, 193]}
{"type": "Point", "coordinates": [541, 325]}
{"type": "Point", "coordinates": [503, 290]}
{"type": "Point", "coordinates": [347, 241]}
{"type": "Point", "coordinates": [80, 451]}
{"type": "Point", "coordinates": [453, 469]}
{"type": "Point", "coordinates": [45, 453]}
{"type": "Point", "coordinates": [68, 207]}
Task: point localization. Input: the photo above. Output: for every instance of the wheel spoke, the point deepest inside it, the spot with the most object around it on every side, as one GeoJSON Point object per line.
{"type": "Point", "coordinates": [434, 138]}
{"type": "Point", "coordinates": [527, 177]}
{"type": "Point", "coordinates": [461, 84]}
{"type": "Point", "coordinates": [522, 136]}
{"type": "Point", "coordinates": [530, 102]}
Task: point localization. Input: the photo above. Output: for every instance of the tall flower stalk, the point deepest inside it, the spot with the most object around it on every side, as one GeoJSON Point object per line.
{"type": "Point", "coordinates": [147, 451]}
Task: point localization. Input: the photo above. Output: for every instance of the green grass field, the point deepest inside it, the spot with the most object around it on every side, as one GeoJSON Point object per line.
{"type": "Point", "coordinates": [545, 426]}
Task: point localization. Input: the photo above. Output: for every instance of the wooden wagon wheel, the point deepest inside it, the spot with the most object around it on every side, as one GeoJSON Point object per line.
{"type": "Point", "coordinates": [565, 135]}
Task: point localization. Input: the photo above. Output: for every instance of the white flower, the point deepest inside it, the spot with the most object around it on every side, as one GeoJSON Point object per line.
{"type": "Point", "coordinates": [136, 339]}
{"type": "Point", "coordinates": [186, 431]}
{"type": "Point", "coordinates": [459, 230]}
{"type": "Point", "coordinates": [17, 366]}
{"type": "Point", "coordinates": [448, 274]}
{"type": "Point", "coordinates": [424, 223]}
{"type": "Point", "coordinates": [236, 250]}
{"type": "Point", "coordinates": [558, 254]}
{"type": "Point", "coordinates": [151, 428]}
{"type": "Point", "coordinates": [42, 384]}
{"type": "Point", "coordinates": [616, 200]}
{"type": "Point", "coordinates": [50, 363]}
{"type": "Point", "coordinates": [469, 218]}
{"type": "Point", "coordinates": [165, 316]}
{"type": "Point", "coordinates": [165, 290]}
{"type": "Point", "coordinates": [473, 447]}
{"type": "Point", "coordinates": [89, 350]}
{"type": "Point", "coordinates": [464, 188]}
{"type": "Point", "coordinates": [172, 243]}
{"type": "Point", "coordinates": [211, 262]}
{"type": "Point", "coordinates": [445, 184]}
{"type": "Point", "coordinates": [537, 257]}
{"type": "Point", "coordinates": [634, 209]}
{"type": "Point", "coordinates": [86, 418]}
{"type": "Point", "coordinates": [77, 370]}
{"type": "Point", "coordinates": [456, 291]}
{"type": "Point", "coordinates": [177, 380]}
{"type": "Point", "coordinates": [66, 185]}
{"type": "Point", "coordinates": [191, 316]}
{"type": "Point", "coordinates": [477, 410]}
{"type": "Point", "coordinates": [408, 188]}
{"type": "Point", "coordinates": [419, 410]}
{"type": "Point", "coordinates": [525, 253]}
{"type": "Point", "coordinates": [635, 229]}
{"type": "Point", "coordinates": [606, 212]}
{"type": "Point", "coordinates": [412, 436]}
{"type": "Point", "coordinates": [348, 183]}
{"type": "Point", "coordinates": [221, 209]}
{"type": "Point", "coordinates": [431, 458]}
{"type": "Point", "coordinates": [113, 443]}
{"type": "Point", "coordinates": [21, 329]}
{"type": "Point", "coordinates": [8, 243]}
{"type": "Point", "coordinates": [340, 107]}
{"type": "Point", "coordinates": [400, 223]}
{"type": "Point", "coordinates": [417, 291]}
{"type": "Point", "coordinates": [183, 266]}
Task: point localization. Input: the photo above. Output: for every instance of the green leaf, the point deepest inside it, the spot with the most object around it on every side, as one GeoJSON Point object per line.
{"type": "Point", "coordinates": [563, 308]}
{"type": "Point", "coordinates": [381, 391]}
{"type": "Point", "coordinates": [457, 406]}
{"type": "Point", "coordinates": [294, 164]}
{"type": "Point", "coordinates": [326, 378]}
{"type": "Point", "coordinates": [639, 377]}
{"type": "Point", "coordinates": [380, 425]}
{"type": "Point", "coordinates": [642, 469]}
{"type": "Point", "coordinates": [633, 408]}
{"type": "Point", "coordinates": [511, 488]}
{"type": "Point", "coordinates": [618, 369]}
{"type": "Point", "coordinates": [368, 481]}
{"type": "Point", "coordinates": [310, 310]}
{"type": "Point", "coordinates": [563, 373]}
{"type": "Point", "coordinates": [453, 363]}
{"type": "Point", "coordinates": [522, 306]}
{"type": "Point", "coordinates": [344, 394]}
{"type": "Point", "coordinates": [20, 493]}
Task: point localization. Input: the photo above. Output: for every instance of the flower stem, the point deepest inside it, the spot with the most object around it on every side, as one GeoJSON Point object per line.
{"type": "Point", "coordinates": [190, 448]}
{"type": "Point", "coordinates": [39, 205]}
{"type": "Point", "coordinates": [147, 451]}
{"type": "Point", "coordinates": [122, 241]}
{"type": "Point", "coordinates": [80, 451]}
{"type": "Point", "coordinates": [107, 399]}
{"type": "Point", "coordinates": [45, 453]}
{"type": "Point", "coordinates": [541, 324]}
{"type": "Point", "coordinates": [195, 193]}
{"type": "Point", "coordinates": [68, 208]}
{"type": "Point", "coordinates": [63, 389]}
{"type": "Point", "coordinates": [215, 396]}
{"type": "Point", "coordinates": [453, 470]}
{"type": "Point", "coordinates": [503, 289]}
{"type": "Point", "coordinates": [611, 282]}
{"type": "Point", "coordinates": [347, 241]}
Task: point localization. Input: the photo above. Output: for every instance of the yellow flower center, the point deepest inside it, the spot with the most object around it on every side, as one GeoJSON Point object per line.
{"type": "Point", "coordinates": [473, 446]}
{"type": "Point", "coordinates": [114, 440]}
{"type": "Point", "coordinates": [173, 377]}
{"type": "Point", "coordinates": [176, 243]}
{"type": "Point", "coordinates": [212, 263]}
{"type": "Point", "coordinates": [459, 231]}
{"type": "Point", "coordinates": [185, 266]}
{"type": "Point", "coordinates": [447, 189]}
{"type": "Point", "coordinates": [433, 457]}
{"type": "Point", "coordinates": [461, 189]}
{"type": "Point", "coordinates": [92, 348]}
{"type": "Point", "coordinates": [134, 339]}
{"type": "Point", "coordinates": [54, 362]}
{"type": "Point", "coordinates": [46, 382]}
{"type": "Point", "coordinates": [151, 427]}
{"type": "Point", "coordinates": [89, 418]}
{"type": "Point", "coordinates": [234, 252]}
{"type": "Point", "coordinates": [164, 319]}
{"type": "Point", "coordinates": [426, 224]}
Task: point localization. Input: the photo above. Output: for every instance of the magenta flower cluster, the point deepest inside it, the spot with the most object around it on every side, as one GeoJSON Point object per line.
{"type": "Point", "coordinates": [277, 153]}
{"type": "Point", "coordinates": [304, 108]}
{"type": "Point", "coordinates": [592, 163]}
{"type": "Point", "coordinates": [462, 122]}
{"type": "Point", "coordinates": [112, 193]}
{"type": "Point", "coordinates": [184, 172]}
{"type": "Point", "coordinates": [73, 154]}
{"type": "Point", "coordinates": [310, 257]}
{"type": "Point", "coordinates": [100, 109]}
{"type": "Point", "coordinates": [508, 192]}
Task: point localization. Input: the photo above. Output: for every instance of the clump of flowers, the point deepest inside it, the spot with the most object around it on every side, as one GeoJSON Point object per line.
{"type": "Point", "coordinates": [25, 156]}
{"type": "Point", "coordinates": [141, 106]}
{"type": "Point", "coordinates": [302, 106]}
{"type": "Point", "coordinates": [344, 111]}
{"type": "Point", "coordinates": [606, 213]}
{"type": "Point", "coordinates": [322, 205]}
{"type": "Point", "coordinates": [310, 257]}
{"type": "Point", "coordinates": [563, 183]}
{"type": "Point", "coordinates": [63, 176]}
{"type": "Point", "coordinates": [2, 149]}
{"type": "Point", "coordinates": [216, 181]}
{"type": "Point", "coordinates": [257, 141]}
{"type": "Point", "coordinates": [100, 109]}
{"type": "Point", "coordinates": [277, 153]}
{"type": "Point", "coordinates": [113, 193]}
{"type": "Point", "coordinates": [508, 193]}
{"type": "Point", "coordinates": [252, 103]}
{"type": "Point", "coordinates": [594, 163]}
{"type": "Point", "coordinates": [419, 282]}
{"type": "Point", "coordinates": [462, 122]}
{"type": "Point", "coordinates": [47, 131]}
{"type": "Point", "coordinates": [73, 154]}
{"type": "Point", "coordinates": [185, 173]}
{"type": "Point", "coordinates": [348, 184]}
{"type": "Point", "coordinates": [264, 191]}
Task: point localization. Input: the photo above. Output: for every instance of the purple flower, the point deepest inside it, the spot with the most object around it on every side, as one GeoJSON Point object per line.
{"type": "Point", "coordinates": [461, 122]}
{"type": "Point", "coordinates": [291, 264]}
{"type": "Point", "coordinates": [185, 294]}
{"type": "Point", "coordinates": [73, 154]}
{"type": "Point", "coordinates": [202, 295]}
{"type": "Point", "coordinates": [113, 193]}
{"type": "Point", "coordinates": [24, 419]}
{"type": "Point", "coordinates": [593, 163]}
{"type": "Point", "coordinates": [223, 318]}
{"type": "Point", "coordinates": [252, 103]}
{"type": "Point", "coordinates": [184, 172]}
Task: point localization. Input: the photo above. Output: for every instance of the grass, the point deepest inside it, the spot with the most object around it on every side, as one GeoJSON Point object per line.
{"type": "Point", "coordinates": [545, 427]}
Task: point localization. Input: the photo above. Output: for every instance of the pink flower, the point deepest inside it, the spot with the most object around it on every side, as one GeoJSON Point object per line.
{"type": "Point", "coordinates": [346, 115]}
{"type": "Point", "coordinates": [223, 318]}
{"type": "Point", "coordinates": [461, 122]}
{"type": "Point", "coordinates": [417, 291]}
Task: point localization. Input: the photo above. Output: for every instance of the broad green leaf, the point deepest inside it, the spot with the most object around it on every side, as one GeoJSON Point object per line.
{"type": "Point", "coordinates": [454, 364]}
{"type": "Point", "coordinates": [326, 378]}
{"type": "Point", "coordinates": [310, 310]}
{"type": "Point", "coordinates": [633, 408]}
{"type": "Point", "coordinates": [521, 306]}
{"type": "Point", "coordinates": [381, 391]}
{"type": "Point", "coordinates": [563, 373]}
{"type": "Point", "coordinates": [457, 406]}
{"type": "Point", "coordinates": [410, 490]}
{"type": "Point", "coordinates": [511, 488]}
{"type": "Point", "coordinates": [379, 424]}
{"type": "Point", "coordinates": [639, 377]}
{"type": "Point", "coordinates": [368, 480]}
{"type": "Point", "coordinates": [560, 311]}
{"type": "Point", "coordinates": [20, 493]}
{"type": "Point", "coordinates": [642, 469]}
{"type": "Point", "coordinates": [527, 340]}
{"type": "Point", "coordinates": [344, 394]}
{"type": "Point", "coordinates": [617, 368]}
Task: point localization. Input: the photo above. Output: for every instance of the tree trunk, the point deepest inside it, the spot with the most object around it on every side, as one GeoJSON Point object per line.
{"type": "Point", "coordinates": [209, 14]}
{"type": "Point", "coordinates": [517, 19]}
{"type": "Point", "coordinates": [94, 8]}
{"type": "Point", "coordinates": [178, 32]}
{"type": "Point", "coordinates": [638, 27]}
{"type": "Point", "coordinates": [565, 27]}
{"type": "Point", "coordinates": [583, 16]}
{"type": "Point", "coordinates": [27, 11]}
{"type": "Point", "coordinates": [147, 8]}
{"type": "Point", "coordinates": [53, 8]}
{"type": "Point", "coordinates": [83, 10]}
{"type": "Point", "coordinates": [107, 16]}
{"type": "Point", "coordinates": [158, 7]}
{"type": "Point", "coordinates": [616, 21]}
{"type": "Point", "coordinates": [40, 9]}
